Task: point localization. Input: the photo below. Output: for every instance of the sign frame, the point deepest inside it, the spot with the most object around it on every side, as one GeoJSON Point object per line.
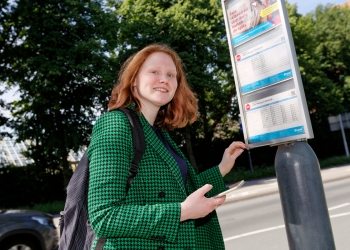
{"type": "Point", "coordinates": [281, 28]}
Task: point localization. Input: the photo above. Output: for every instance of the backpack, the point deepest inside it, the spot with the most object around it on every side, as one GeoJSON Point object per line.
{"type": "Point", "coordinates": [75, 229]}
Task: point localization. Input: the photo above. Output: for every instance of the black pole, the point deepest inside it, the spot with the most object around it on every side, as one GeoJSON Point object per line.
{"type": "Point", "coordinates": [303, 200]}
{"type": "Point", "coordinates": [250, 162]}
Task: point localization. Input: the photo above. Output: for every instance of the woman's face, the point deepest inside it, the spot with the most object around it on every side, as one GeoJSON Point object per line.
{"type": "Point", "coordinates": [155, 84]}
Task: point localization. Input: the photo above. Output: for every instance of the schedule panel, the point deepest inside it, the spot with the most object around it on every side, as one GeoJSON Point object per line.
{"type": "Point", "coordinates": [271, 97]}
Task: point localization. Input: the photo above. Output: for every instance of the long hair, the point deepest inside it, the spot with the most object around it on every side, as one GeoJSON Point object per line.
{"type": "Point", "coordinates": [180, 111]}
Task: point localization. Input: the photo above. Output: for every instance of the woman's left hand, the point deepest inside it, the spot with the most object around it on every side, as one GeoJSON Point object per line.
{"type": "Point", "coordinates": [230, 155]}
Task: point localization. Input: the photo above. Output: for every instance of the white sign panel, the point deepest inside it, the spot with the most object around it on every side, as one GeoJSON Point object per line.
{"type": "Point", "coordinates": [274, 117]}
{"type": "Point", "coordinates": [269, 89]}
{"type": "Point", "coordinates": [263, 65]}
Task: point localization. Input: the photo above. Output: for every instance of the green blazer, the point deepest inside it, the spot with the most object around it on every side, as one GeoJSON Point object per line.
{"type": "Point", "coordinates": [148, 216]}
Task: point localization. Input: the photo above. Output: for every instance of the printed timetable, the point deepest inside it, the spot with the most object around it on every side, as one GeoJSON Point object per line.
{"type": "Point", "coordinates": [274, 117]}
{"type": "Point", "coordinates": [263, 65]}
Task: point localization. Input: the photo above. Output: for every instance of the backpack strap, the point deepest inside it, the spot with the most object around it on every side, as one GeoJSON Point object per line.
{"type": "Point", "coordinates": [138, 140]}
{"type": "Point", "coordinates": [139, 145]}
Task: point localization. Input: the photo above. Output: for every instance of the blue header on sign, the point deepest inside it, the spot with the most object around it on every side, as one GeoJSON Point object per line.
{"type": "Point", "coordinates": [267, 81]}
{"type": "Point", "coordinates": [277, 134]}
{"type": "Point", "coordinates": [251, 33]}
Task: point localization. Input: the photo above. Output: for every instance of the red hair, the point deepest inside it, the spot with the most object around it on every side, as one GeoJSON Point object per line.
{"type": "Point", "coordinates": [180, 111]}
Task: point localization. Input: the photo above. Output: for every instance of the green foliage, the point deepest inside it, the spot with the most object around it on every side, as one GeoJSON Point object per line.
{"type": "Point", "coordinates": [26, 186]}
{"type": "Point", "coordinates": [52, 207]}
{"type": "Point", "coordinates": [332, 31]}
{"type": "Point", "coordinates": [196, 30]}
{"type": "Point", "coordinates": [314, 46]}
{"type": "Point", "coordinates": [55, 51]}
{"type": "Point", "coordinates": [334, 161]}
{"type": "Point", "coordinates": [238, 174]}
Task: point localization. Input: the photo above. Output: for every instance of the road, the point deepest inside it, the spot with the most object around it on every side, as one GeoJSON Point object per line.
{"type": "Point", "coordinates": [253, 218]}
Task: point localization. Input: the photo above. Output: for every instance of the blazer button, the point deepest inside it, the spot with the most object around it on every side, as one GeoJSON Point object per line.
{"type": "Point", "coordinates": [161, 194]}
{"type": "Point", "coordinates": [161, 248]}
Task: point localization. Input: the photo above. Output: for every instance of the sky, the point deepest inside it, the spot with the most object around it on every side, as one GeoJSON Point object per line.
{"type": "Point", "coordinates": [307, 6]}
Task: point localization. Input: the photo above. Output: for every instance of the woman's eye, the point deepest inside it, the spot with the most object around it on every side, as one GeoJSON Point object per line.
{"type": "Point", "coordinates": [155, 72]}
{"type": "Point", "coordinates": [170, 75]}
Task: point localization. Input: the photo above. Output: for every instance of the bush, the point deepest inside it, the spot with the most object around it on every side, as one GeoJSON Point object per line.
{"type": "Point", "coordinates": [52, 207]}
{"type": "Point", "coordinates": [26, 186]}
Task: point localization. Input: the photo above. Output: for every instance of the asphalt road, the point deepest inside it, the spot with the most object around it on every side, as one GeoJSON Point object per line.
{"type": "Point", "coordinates": [252, 217]}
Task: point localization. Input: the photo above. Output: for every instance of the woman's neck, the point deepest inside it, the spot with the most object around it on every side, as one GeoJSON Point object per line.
{"type": "Point", "coordinates": [150, 113]}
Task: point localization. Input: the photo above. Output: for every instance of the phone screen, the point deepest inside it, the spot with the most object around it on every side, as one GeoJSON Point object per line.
{"type": "Point", "coordinates": [232, 187]}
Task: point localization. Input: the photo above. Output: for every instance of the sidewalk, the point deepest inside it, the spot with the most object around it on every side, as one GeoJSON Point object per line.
{"type": "Point", "coordinates": [266, 186]}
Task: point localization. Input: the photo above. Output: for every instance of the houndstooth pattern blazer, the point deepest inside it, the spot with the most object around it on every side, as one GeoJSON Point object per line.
{"type": "Point", "coordinates": [148, 216]}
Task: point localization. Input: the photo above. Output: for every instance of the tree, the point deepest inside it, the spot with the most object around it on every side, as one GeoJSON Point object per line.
{"type": "Point", "coordinates": [332, 33]}
{"type": "Point", "coordinates": [4, 7]}
{"type": "Point", "coordinates": [196, 30]}
{"type": "Point", "coordinates": [55, 51]}
{"type": "Point", "coordinates": [323, 95]}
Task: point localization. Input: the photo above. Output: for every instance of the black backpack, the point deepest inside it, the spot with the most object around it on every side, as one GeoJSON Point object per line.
{"type": "Point", "coordinates": [75, 230]}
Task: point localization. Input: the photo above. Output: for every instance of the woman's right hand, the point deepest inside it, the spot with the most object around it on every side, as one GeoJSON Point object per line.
{"type": "Point", "coordinates": [197, 205]}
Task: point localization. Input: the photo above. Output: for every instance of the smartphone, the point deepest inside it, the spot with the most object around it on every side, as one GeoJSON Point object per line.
{"type": "Point", "coordinates": [231, 188]}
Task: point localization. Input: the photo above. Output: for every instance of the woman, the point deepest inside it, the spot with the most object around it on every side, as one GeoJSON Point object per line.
{"type": "Point", "coordinates": [166, 206]}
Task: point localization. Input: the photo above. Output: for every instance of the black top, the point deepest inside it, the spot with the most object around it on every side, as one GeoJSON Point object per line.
{"type": "Point", "coordinates": [181, 162]}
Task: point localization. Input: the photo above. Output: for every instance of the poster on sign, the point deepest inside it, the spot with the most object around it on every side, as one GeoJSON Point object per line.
{"type": "Point", "coordinates": [249, 18]}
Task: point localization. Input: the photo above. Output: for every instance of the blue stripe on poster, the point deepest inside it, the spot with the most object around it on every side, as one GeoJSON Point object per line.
{"type": "Point", "coordinates": [267, 81]}
{"type": "Point", "coordinates": [277, 134]}
{"type": "Point", "coordinates": [252, 32]}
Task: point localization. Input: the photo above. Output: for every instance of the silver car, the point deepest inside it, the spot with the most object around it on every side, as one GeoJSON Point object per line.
{"type": "Point", "coordinates": [27, 230]}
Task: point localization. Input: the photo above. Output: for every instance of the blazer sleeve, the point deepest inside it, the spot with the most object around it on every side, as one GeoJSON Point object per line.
{"type": "Point", "coordinates": [213, 176]}
{"type": "Point", "coordinates": [110, 154]}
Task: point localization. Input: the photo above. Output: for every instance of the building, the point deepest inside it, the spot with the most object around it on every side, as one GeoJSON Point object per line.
{"type": "Point", "coordinates": [11, 153]}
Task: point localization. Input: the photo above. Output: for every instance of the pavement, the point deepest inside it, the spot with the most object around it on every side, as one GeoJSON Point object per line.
{"type": "Point", "coordinates": [266, 186]}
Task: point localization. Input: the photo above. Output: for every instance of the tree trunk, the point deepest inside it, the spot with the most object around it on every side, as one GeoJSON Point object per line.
{"type": "Point", "coordinates": [62, 149]}
{"type": "Point", "coordinates": [66, 170]}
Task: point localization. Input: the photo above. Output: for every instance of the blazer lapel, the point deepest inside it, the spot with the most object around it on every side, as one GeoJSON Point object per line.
{"type": "Point", "coordinates": [153, 141]}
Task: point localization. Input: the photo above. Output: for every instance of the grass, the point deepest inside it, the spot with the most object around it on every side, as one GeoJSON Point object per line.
{"type": "Point", "coordinates": [269, 171]}
{"type": "Point", "coordinates": [51, 208]}
{"type": "Point", "coordinates": [241, 174]}
{"type": "Point", "coordinates": [334, 161]}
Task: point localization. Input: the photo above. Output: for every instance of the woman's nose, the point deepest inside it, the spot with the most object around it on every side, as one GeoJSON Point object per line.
{"type": "Point", "coordinates": [163, 78]}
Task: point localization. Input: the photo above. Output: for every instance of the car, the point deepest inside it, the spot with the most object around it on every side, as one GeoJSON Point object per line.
{"type": "Point", "coordinates": [27, 230]}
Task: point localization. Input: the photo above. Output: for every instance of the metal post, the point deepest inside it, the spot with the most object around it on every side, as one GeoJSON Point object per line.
{"type": "Point", "coordinates": [250, 162]}
{"type": "Point", "coordinates": [303, 200]}
{"type": "Point", "coordinates": [344, 137]}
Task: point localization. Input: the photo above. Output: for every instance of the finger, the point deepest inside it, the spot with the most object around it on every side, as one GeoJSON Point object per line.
{"type": "Point", "coordinates": [219, 200]}
{"type": "Point", "coordinates": [235, 153]}
{"type": "Point", "coordinates": [236, 145]}
{"type": "Point", "coordinates": [205, 189]}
